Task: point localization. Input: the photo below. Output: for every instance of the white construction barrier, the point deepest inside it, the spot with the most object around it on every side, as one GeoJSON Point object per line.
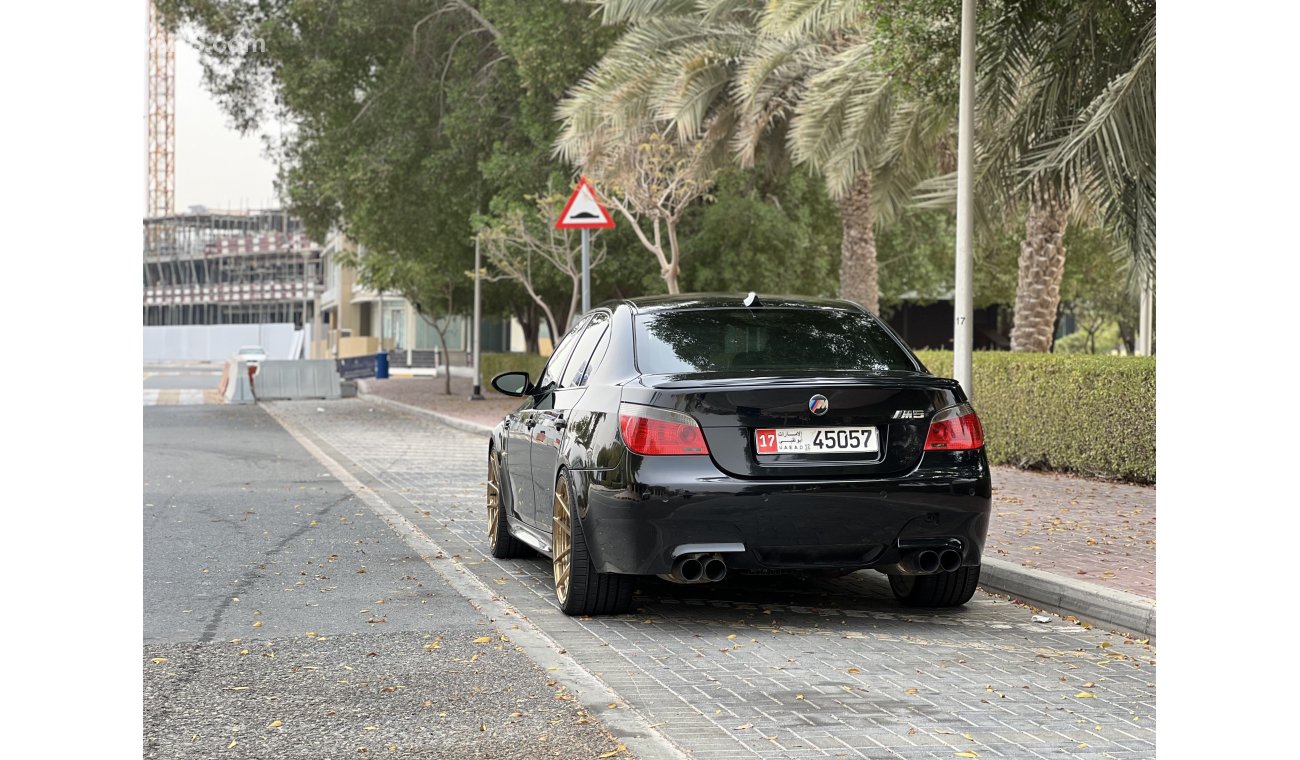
{"type": "Point", "coordinates": [235, 383]}
{"type": "Point", "coordinates": [304, 378]}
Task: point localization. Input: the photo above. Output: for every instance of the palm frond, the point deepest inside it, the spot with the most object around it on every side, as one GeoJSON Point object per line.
{"type": "Point", "coordinates": [804, 19]}
{"type": "Point", "coordinates": [621, 11]}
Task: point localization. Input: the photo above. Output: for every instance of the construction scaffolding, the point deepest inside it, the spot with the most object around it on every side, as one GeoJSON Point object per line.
{"type": "Point", "coordinates": [229, 267]}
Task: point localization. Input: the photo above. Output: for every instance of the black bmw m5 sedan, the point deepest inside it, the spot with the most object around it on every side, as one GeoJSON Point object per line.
{"type": "Point", "coordinates": [693, 436]}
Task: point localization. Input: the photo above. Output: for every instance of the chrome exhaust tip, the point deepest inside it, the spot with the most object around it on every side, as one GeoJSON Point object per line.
{"type": "Point", "coordinates": [688, 569]}
{"type": "Point", "coordinates": [949, 560]}
{"type": "Point", "coordinates": [715, 569]}
{"type": "Point", "coordinates": [927, 561]}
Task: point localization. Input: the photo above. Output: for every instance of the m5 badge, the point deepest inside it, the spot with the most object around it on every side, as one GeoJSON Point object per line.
{"type": "Point", "coordinates": [909, 414]}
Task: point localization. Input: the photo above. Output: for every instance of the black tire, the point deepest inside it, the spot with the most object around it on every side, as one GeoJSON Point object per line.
{"type": "Point", "coordinates": [939, 590]}
{"type": "Point", "coordinates": [581, 590]}
{"type": "Point", "coordinates": [501, 543]}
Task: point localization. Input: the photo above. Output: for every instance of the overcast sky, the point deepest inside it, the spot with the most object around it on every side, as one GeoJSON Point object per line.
{"type": "Point", "coordinates": [215, 166]}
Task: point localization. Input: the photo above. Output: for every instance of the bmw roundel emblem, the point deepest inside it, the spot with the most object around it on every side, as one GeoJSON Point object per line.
{"type": "Point", "coordinates": [818, 405]}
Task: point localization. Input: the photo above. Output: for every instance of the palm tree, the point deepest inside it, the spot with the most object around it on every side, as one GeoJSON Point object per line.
{"type": "Point", "coordinates": [1067, 101]}
{"type": "Point", "coordinates": [766, 83]}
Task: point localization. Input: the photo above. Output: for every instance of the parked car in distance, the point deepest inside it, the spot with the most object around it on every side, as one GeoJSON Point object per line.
{"type": "Point", "coordinates": [251, 354]}
{"type": "Point", "coordinates": [694, 436]}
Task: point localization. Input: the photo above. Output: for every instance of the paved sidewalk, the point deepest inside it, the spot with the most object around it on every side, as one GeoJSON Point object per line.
{"type": "Point", "coordinates": [1084, 534]}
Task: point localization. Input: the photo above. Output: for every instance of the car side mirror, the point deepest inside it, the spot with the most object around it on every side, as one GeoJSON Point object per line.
{"type": "Point", "coordinates": [512, 383]}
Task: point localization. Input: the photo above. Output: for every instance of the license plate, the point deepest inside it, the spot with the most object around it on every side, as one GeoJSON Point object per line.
{"type": "Point", "coordinates": [836, 440]}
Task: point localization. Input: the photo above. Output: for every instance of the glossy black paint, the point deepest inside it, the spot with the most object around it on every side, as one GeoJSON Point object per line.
{"type": "Point", "coordinates": [790, 511]}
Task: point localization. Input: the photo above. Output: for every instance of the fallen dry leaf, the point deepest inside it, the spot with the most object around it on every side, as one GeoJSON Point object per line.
{"type": "Point", "coordinates": [159, 660]}
{"type": "Point", "coordinates": [744, 726]}
{"type": "Point", "coordinates": [855, 670]}
{"type": "Point", "coordinates": [965, 754]}
{"type": "Point", "coordinates": [483, 640]}
{"type": "Point", "coordinates": [276, 724]}
{"type": "Point", "coordinates": [1086, 695]}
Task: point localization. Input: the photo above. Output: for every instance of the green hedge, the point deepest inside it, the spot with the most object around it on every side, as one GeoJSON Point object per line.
{"type": "Point", "coordinates": [495, 364]}
{"type": "Point", "coordinates": [1094, 415]}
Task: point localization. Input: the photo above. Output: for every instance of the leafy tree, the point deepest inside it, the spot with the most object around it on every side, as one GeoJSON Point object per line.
{"type": "Point", "coordinates": [405, 116]}
{"type": "Point", "coordinates": [762, 233]}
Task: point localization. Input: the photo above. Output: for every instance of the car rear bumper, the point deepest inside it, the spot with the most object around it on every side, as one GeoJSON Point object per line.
{"type": "Point", "coordinates": [639, 524]}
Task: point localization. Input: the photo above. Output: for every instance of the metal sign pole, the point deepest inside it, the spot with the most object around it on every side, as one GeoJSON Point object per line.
{"type": "Point", "coordinates": [477, 395]}
{"type": "Point", "coordinates": [586, 270]}
{"type": "Point", "coordinates": [963, 337]}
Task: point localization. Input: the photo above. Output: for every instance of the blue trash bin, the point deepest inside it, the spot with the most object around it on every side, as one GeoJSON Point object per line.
{"type": "Point", "coordinates": [381, 366]}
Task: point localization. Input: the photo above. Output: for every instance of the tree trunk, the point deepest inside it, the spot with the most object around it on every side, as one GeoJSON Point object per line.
{"type": "Point", "coordinates": [674, 268]}
{"type": "Point", "coordinates": [446, 358]}
{"type": "Point", "coordinates": [1038, 287]}
{"type": "Point", "coordinates": [530, 324]}
{"type": "Point", "coordinates": [858, 270]}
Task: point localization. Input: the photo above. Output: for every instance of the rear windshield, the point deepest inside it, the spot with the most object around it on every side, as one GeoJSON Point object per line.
{"type": "Point", "coordinates": [707, 340]}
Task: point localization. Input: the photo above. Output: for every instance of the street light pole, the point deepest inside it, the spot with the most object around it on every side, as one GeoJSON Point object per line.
{"type": "Point", "coordinates": [477, 395]}
{"type": "Point", "coordinates": [963, 337]}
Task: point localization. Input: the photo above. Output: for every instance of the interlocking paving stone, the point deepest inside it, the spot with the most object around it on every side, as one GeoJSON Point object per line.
{"type": "Point", "coordinates": [817, 668]}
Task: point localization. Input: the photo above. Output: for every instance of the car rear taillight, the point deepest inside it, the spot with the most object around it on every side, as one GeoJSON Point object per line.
{"type": "Point", "coordinates": [650, 431]}
{"type": "Point", "coordinates": [956, 428]}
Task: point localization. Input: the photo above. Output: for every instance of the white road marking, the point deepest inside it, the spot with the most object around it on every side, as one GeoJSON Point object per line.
{"type": "Point", "coordinates": [642, 738]}
{"type": "Point", "coordinates": [180, 396]}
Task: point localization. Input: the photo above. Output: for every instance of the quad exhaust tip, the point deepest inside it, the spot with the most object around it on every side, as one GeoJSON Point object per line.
{"type": "Point", "coordinates": [925, 561]}
{"type": "Point", "coordinates": [697, 568]}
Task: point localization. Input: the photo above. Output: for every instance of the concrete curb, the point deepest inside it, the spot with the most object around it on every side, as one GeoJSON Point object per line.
{"type": "Point", "coordinates": [1108, 608]}
{"type": "Point", "coordinates": [1087, 601]}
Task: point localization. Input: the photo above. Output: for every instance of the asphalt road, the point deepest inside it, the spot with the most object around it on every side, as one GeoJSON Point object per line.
{"type": "Point", "coordinates": [284, 619]}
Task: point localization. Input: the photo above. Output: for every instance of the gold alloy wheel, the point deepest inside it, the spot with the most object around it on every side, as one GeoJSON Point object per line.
{"type": "Point", "coordinates": [493, 501]}
{"type": "Point", "coordinates": [561, 541]}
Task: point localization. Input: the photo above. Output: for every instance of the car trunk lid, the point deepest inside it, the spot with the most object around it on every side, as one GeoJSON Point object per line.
{"type": "Point", "coordinates": [732, 408]}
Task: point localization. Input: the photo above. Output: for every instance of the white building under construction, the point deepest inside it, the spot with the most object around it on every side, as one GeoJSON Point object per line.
{"type": "Point", "coordinates": [229, 267]}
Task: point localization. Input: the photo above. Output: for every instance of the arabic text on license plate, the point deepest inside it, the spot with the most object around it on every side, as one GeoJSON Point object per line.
{"type": "Point", "coordinates": [816, 440]}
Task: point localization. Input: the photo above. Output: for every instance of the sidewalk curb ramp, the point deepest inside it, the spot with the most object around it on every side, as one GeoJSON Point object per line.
{"type": "Point", "coordinates": [1115, 610]}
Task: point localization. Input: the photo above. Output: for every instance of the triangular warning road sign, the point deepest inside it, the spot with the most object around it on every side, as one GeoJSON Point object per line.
{"type": "Point", "coordinates": [583, 211]}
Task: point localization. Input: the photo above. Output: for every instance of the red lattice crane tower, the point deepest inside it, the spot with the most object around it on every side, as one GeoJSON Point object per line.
{"type": "Point", "coordinates": [161, 117]}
